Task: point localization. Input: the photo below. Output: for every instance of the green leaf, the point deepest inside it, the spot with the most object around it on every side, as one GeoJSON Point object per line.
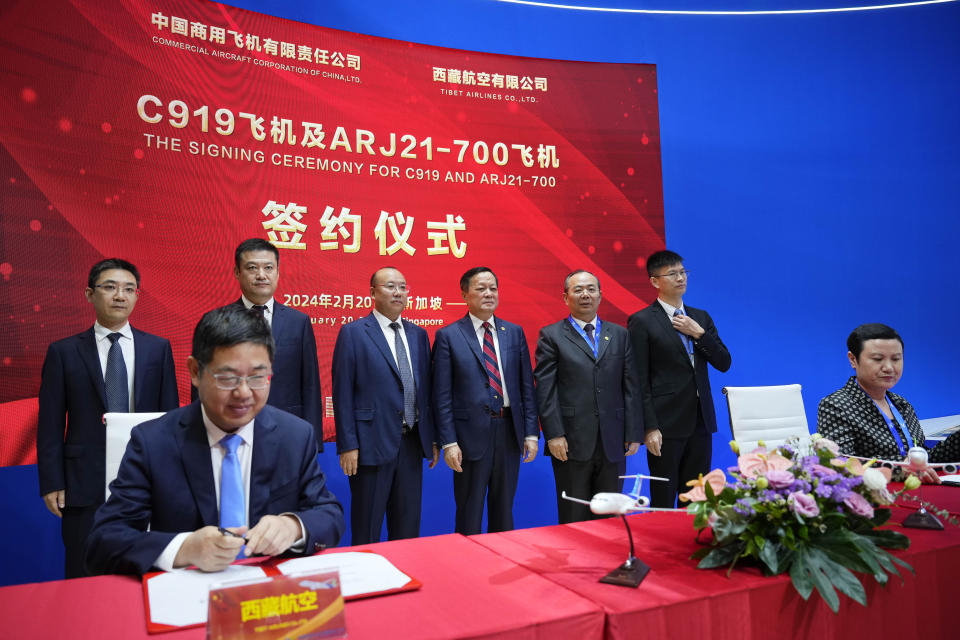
{"type": "Point", "coordinates": [839, 577]}
{"type": "Point", "coordinates": [769, 556]}
{"type": "Point", "coordinates": [721, 556]}
{"type": "Point", "coordinates": [707, 489]}
{"type": "Point", "coordinates": [815, 569]}
{"type": "Point", "coordinates": [800, 576]}
{"type": "Point", "coordinates": [880, 516]}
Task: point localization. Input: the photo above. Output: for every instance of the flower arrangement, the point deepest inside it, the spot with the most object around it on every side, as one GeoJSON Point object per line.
{"type": "Point", "coordinates": [812, 514]}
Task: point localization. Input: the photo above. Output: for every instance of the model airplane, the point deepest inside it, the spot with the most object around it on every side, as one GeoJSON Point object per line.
{"type": "Point", "coordinates": [916, 462]}
{"type": "Point", "coordinates": [632, 572]}
{"type": "Point", "coordinates": [607, 504]}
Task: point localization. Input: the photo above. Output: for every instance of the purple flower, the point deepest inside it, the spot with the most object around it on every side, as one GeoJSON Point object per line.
{"type": "Point", "coordinates": [820, 470]}
{"type": "Point", "coordinates": [779, 479]}
{"type": "Point", "coordinates": [824, 490]}
{"type": "Point", "coordinates": [803, 504]}
{"type": "Point", "coordinates": [858, 505]}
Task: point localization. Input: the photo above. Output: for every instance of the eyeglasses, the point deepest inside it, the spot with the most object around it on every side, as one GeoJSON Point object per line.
{"type": "Point", "coordinates": [229, 382]}
{"type": "Point", "coordinates": [393, 287]}
{"type": "Point", "coordinates": [674, 275]}
{"type": "Point", "coordinates": [111, 288]}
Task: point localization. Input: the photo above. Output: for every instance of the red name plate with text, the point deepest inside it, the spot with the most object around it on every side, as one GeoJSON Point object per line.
{"type": "Point", "coordinates": [304, 606]}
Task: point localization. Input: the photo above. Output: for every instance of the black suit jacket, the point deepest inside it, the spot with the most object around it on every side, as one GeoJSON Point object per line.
{"type": "Point", "coordinates": [672, 388]}
{"type": "Point", "coordinates": [73, 395]}
{"type": "Point", "coordinates": [166, 482]}
{"type": "Point", "coordinates": [579, 395]}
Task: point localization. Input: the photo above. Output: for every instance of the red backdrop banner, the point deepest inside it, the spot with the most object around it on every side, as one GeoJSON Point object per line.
{"type": "Point", "coordinates": [165, 132]}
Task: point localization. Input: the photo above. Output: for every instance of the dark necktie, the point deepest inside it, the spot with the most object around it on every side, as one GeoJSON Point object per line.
{"type": "Point", "coordinates": [115, 379]}
{"type": "Point", "coordinates": [493, 370]}
{"type": "Point", "coordinates": [588, 329]}
{"type": "Point", "coordinates": [406, 378]}
{"type": "Point", "coordinates": [687, 341]}
{"type": "Point", "coordinates": [261, 309]}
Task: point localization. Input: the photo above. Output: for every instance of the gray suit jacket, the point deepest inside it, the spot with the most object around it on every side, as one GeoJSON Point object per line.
{"type": "Point", "coordinates": [580, 396]}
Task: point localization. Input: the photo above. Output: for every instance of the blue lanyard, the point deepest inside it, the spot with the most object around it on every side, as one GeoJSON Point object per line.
{"type": "Point", "coordinates": [893, 429]}
{"type": "Point", "coordinates": [595, 343]}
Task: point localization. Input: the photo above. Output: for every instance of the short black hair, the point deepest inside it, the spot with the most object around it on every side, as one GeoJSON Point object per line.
{"type": "Point", "coordinates": [662, 259]}
{"type": "Point", "coordinates": [566, 281]}
{"type": "Point", "coordinates": [871, 331]}
{"type": "Point", "coordinates": [111, 263]}
{"type": "Point", "coordinates": [254, 244]}
{"type": "Point", "coordinates": [373, 276]}
{"type": "Point", "coordinates": [226, 327]}
{"type": "Point", "coordinates": [469, 273]}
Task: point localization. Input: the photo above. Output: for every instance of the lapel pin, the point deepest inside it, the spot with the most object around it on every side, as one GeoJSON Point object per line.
{"type": "Point", "coordinates": [606, 337]}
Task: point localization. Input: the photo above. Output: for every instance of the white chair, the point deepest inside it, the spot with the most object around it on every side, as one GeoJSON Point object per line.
{"type": "Point", "coordinates": [772, 414]}
{"type": "Point", "coordinates": [118, 427]}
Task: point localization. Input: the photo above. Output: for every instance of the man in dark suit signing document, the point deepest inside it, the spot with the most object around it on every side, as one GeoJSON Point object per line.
{"type": "Point", "coordinates": [201, 482]}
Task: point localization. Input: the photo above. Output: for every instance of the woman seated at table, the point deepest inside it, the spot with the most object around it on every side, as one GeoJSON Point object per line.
{"type": "Point", "coordinates": [864, 418]}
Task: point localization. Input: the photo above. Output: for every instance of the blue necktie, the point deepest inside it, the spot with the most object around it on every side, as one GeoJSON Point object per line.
{"type": "Point", "coordinates": [406, 378]}
{"type": "Point", "coordinates": [687, 341]}
{"type": "Point", "coordinates": [115, 379]}
{"type": "Point", "coordinates": [232, 513]}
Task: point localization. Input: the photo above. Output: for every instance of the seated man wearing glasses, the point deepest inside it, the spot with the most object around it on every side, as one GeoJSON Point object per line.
{"type": "Point", "coordinates": [197, 484]}
{"type": "Point", "coordinates": [109, 367]}
{"type": "Point", "coordinates": [672, 344]}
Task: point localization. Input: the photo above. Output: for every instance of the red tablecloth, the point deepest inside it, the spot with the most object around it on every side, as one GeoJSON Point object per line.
{"type": "Point", "coordinates": [468, 592]}
{"type": "Point", "coordinates": [543, 583]}
{"type": "Point", "coordinates": [678, 601]}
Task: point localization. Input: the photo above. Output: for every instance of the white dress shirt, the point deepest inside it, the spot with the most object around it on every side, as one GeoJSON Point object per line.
{"type": "Point", "coordinates": [267, 313]}
{"type": "Point", "coordinates": [126, 348]}
{"type": "Point", "coordinates": [669, 308]}
{"type": "Point", "coordinates": [389, 333]}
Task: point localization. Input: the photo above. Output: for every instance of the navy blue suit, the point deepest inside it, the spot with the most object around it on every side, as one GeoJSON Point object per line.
{"type": "Point", "coordinates": [166, 482]}
{"type": "Point", "coordinates": [676, 395]}
{"type": "Point", "coordinates": [368, 411]}
{"type": "Point", "coordinates": [295, 386]}
{"type": "Point", "coordinates": [491, 446]}
{"type": "Point", "coordinates": [73, 395]}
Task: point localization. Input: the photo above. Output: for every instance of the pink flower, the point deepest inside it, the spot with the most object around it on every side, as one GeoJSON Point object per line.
{"type": "Point", "coordinates": [829, 445]}
{"type": "Point", "coordinates": [759, 462]}
{"type": "Point", "coordinates": [778, 462]}
{"type": "Point", "coordinates": [803, 504]}
{"type": "Point", "coordinates": [858, 505]}
{"type": "Point", "coordinates": [780, 479]}
{"type": "Point", "coordinates": [716, 479]}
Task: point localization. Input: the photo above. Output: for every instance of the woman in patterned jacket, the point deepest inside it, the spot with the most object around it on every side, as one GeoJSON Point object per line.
{"type": "Point", "coordinates": [864, 418]}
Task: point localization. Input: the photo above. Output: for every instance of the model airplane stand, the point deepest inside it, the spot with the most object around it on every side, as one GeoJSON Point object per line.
{"type": "Point", "coordinates": [923, 519]}
{"type": "Point", "coordinates": [632, 572]}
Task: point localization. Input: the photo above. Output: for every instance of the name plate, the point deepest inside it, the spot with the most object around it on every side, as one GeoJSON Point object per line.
{"type": "Point", "coordinates": [305, 606]}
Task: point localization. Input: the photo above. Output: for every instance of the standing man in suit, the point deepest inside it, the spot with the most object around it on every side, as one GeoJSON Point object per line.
{"type": "Point", "coordinates": [485, 405]}
{"type": "Point", "coordinates": [226, 460]}
{"type": "Point", "coordinates": [588, 396]}
{"type": "Point", "coordinates": [109, 367]}
{"type": "Point", "coordinates": [382, 409]}
{"type": "Point", "coordinates": [673, 344]}
{"type": "Point", "coordinates": [295, 386]}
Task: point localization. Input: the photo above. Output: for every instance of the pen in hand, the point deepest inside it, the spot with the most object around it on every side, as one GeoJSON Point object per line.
{"type": "Point", "coordinates": [227, 532]}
